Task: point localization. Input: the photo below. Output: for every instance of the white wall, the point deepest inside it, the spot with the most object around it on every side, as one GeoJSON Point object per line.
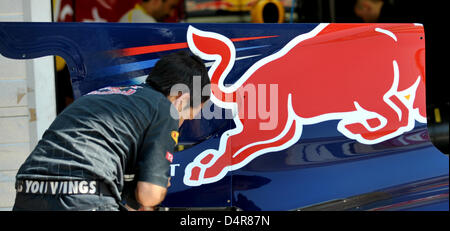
{"type": "Point", "coordinates": [27, 98]}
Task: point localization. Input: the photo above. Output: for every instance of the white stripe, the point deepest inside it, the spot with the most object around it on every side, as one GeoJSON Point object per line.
{"type": "Point", "coordinates": [128, 177]}
{"type": "Point", "coordinates": [208, 64]}
{"type": "Point", "coordinates": [390, 34]}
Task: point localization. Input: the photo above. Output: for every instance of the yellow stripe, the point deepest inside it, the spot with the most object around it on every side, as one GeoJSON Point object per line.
{"type": "Point", "coordinates": [136, 7]}
{"type": "Point", "coordinates": [130, 16]}
{"type": "Point", "coordinates": [139, 7]}
{"type": "Point", "coordinates": [437, 115]}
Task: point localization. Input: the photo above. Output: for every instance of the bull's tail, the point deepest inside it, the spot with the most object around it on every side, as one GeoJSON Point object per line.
{"type": "Point", "coordinates": [217, 48]}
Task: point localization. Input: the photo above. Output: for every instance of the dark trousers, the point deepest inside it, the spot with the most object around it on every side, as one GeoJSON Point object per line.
{"type": "Point", "coordinates": [45, 202]}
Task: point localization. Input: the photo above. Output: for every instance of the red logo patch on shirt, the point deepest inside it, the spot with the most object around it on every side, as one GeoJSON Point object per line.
{"type": "Point", "coordinates": [169, 157]}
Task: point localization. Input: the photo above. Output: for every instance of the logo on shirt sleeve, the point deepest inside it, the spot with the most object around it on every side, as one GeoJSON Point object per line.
{"type": "Point", "coordinates": [127, 90]}
{"type": "Point", "coordinates": [175, 136]}
{"type": "Point", "coordinates": [169, 157]}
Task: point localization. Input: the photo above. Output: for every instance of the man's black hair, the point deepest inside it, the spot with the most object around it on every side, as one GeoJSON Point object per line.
{"type": "Point", "coordinates": [179, 68]}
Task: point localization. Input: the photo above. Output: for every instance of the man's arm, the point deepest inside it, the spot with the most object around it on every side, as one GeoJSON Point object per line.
{"type": "Point", "coordinates": [149, 195]}
{"type": "Point", "coordinates": [154, 159]}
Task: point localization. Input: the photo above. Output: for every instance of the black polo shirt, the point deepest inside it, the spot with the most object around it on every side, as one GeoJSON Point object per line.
{"type": "Point", "coordinates": [106, 134]}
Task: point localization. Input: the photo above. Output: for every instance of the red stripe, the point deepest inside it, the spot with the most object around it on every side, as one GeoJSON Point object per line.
{"type": "Point", "coordinates": [253, 38]}
{"type": "Point", "coordinates": [173, 46]}
{"type": "Point", "coordinates": [154, 48]}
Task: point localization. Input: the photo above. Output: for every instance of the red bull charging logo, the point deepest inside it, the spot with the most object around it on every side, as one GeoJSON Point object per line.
{"type": "Point", "coordinates": [369, 77]}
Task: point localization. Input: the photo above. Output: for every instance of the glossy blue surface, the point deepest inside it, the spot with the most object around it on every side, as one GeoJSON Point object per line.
{"type": "Point", "coordinates": [423, 195]}
{"type": "Point", "coordinates": [324, 165]}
